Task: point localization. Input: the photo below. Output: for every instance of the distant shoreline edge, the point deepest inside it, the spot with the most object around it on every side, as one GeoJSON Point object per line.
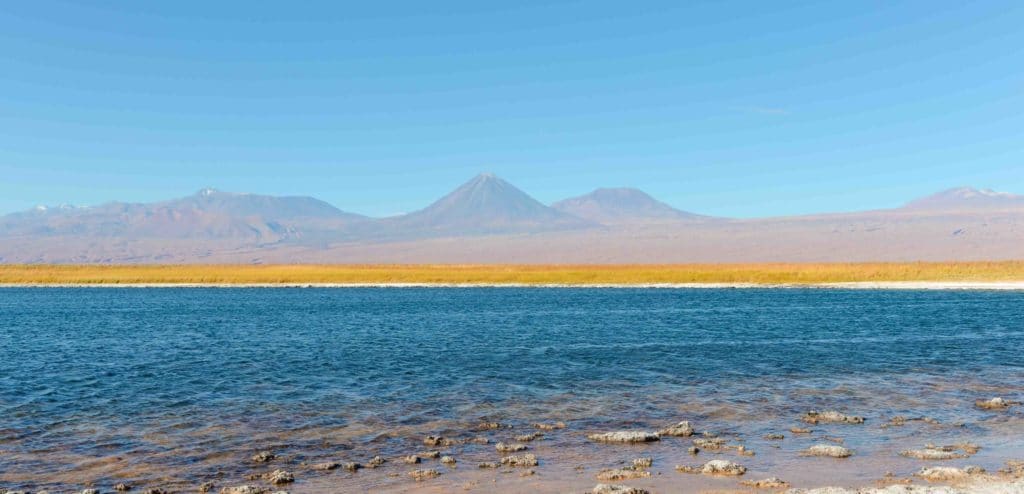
{"type": "Point", "coordinates": [856, 285]}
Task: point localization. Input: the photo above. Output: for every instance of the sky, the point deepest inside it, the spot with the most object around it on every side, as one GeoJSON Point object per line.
{"type": "Point", "coordinates": [741, 109]}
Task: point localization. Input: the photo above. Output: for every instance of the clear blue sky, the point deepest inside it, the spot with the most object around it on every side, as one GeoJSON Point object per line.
{"type": "Point", "coordinates": [731, 108]}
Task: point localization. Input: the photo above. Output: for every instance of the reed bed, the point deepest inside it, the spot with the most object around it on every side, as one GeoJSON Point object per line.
{"type": "Point", "coordinates": [782, 273]}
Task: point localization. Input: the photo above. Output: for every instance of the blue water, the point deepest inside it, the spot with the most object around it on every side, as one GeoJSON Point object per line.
{"type": "Point", "coordinates": [177, 386]}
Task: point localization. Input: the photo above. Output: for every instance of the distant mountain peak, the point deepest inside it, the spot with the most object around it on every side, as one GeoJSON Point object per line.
{"type": "Point", "coordinates": [620, 205]}
{"type": "Point", "coordinates": [489, 204]}
{"type": "Point", "coordinates": [961, 198]}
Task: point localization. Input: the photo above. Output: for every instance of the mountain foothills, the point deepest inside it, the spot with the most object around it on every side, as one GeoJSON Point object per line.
{"type": "Point", "coordinates": [488, 220]}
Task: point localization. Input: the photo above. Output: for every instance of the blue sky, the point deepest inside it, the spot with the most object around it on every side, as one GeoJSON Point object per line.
{"type": "Point", "coordinates": [727, 108]}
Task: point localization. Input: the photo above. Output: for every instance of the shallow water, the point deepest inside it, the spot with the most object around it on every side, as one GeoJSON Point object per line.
{"type": "Point", "coordinates": [173, 387]}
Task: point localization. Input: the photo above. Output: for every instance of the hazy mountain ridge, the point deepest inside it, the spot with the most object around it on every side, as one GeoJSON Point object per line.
{"type": "Point", "coordinates": [621, 205]}
{"type": "Point", "coordinates": [489, 220]}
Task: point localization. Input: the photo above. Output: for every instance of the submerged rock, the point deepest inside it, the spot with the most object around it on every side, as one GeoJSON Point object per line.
{"type": "Point", "coordinates": [479, 440]}
{"type": "Point", "coordinates": [641, 463]}
{"type": "Point", "coordinates": [424, 474]}
{"type": "Point", "coordinates": [429, 455]}
{"type": "Point", "coordinates": [624, 437]}
{"type": "Point", "coordinates": [682, 429]}
{"type": "Point", "coordinates": [487, 426]}
{"type": "Point", "coordinates": [621, 474]}
{"type": "Point", "coordinates": [829, 450]}
{"type": "Point", "coordinates": [411, 459]}
{"type": "Point", "coordinates": [263, 457]}
{"type": "Point", "coordinates": [799, 430]}
{"type": "Point", "coordinates": [510, 448]}
{"type": "Point", "coordinates": [488, 464]}
{"type": "Point", "coordinates": [326, 466]}
{"type": "Point", "coordinates": [774, 436]}
{"type": "Point", "coordinates": [617, 489]}
{"type": "Point", "coordinates": [90, 491]}
{"type": "Point", "coordinates": [997, 403]}
{"type": "Point", "coordinates": [713, 444]}
{"type": "Point", "coordinates": [1014, 467]}
{"type": "Point", "coordinates": [693, 450]}
{"type": "Point", "coordinates": [352, 466]}
{"type": "Point", "coordinates": [375, 462]}
{"type": "Point", "coordinates": [448, 460]}
{"type": "Point", "coordinates": [122, 487]}
{"type": "Point", "coordinates": [549, 427]}
{"type": "Point", "coordinates": [830, 417]}
{"type": "Point", "coordinates": [438, 441]}
{"type": "Point", "coordinates": [527, 460]}
{"type": "Point", "coordinates": [206, 486]}
{"type": "Point", "coordinates": [769, 483]}
{"type": "Point", "coordinates": [932, 452]}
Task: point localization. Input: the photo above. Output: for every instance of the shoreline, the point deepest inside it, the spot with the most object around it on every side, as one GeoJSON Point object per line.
{"type": "Point", "coordinates": [852, 285]}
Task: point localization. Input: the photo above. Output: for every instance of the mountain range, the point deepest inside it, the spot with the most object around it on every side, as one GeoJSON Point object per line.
{"type": "Point", "coordinates": [488, 220]}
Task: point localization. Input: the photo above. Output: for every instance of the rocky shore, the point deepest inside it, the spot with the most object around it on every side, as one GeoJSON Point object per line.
{"type": "Point", "coordinates": [516, 458]}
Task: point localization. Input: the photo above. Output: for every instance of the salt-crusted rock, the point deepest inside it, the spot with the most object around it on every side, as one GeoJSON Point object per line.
{"type": "Point", "coordinates": [243, 489]}
{"type": "Point", "coordinates": [931, 454]}
{"type": "Point", "coordinates": [375, 462]}
{"type": "Point", "coordinates": [997, 403]}
{"type": "Point", "coordinates": [206, 486]}
{"type": "Point", "coordinates": [527, 460]}
{"type": "Point", "coordinates": [424, 474]}
{"type": "Point", "coordinates": [830, 450]}
{"type": "Point", "coordinates": [939, 474]}
{"type": "Point", "coordinates": [799, 430]}
{"type": "Point", "coordinates": [429, 455]}
{"type": "Point", "coordinates": [617, 489]}
{"type": "Point", "coordinates": [352, 466]}
{"type": "Point", "coordinates": [682, 429]}
{"type": "Point", "coordinates": [448, 460]}
{"type": "Point", "coordinates": [830, 417]}
{"type": "Point", "coordinates": [510, 448]}
{"type": "Point", "coordinates": [488, 464]}
{"type": "Point", "coordinates": [487, 426]}
{"type": "Point", "coordinates": [123, 487]}
{"type": "Point", "coordinates": [722, 467]}
{"type": "Point", "coordinates": [411, 459]}
{"type": "Point", "coordinates": [90, 491]}
{"type": "Point", "coordinates": [525, 438]}
{"type": "Point", "coordinates": [642, 463]}
{"type": "Point", "coordinates": [624, 437]}
{"type": "Point", "coordinates": [769, 483]}
{"type": "Point", "coordinates": [612, 474]}
{"type": "Point", "coordinates": [278, 477]}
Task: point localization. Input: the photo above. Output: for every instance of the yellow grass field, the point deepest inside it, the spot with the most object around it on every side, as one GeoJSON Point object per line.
{"type": "Point", "coordinates": [515, 274]}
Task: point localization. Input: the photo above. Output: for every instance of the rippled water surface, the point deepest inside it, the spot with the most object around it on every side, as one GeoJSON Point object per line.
{"type": "Point", "coordinates": [174, 387]}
